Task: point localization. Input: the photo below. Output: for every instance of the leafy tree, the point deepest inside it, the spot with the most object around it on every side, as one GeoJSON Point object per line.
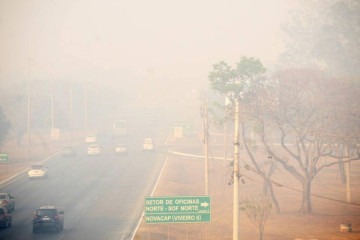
{"type": "Point", "coordinates": [237, 83]}
{"type": "Point", "coordinates": [4, 126]}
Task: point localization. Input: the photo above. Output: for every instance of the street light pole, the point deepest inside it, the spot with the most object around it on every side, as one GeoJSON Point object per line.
{"type": "Point", "coordinates": [52, 100]}
{"type": "Point", "coordinates": [71, 112]}
{"type": "Point", "coordinates": [28, 111]}
{"type": "Point", "coordinates": [85, 108]}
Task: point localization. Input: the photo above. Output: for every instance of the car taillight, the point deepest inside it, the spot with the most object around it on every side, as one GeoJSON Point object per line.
{"type": "Point", "coordinates": [56, 217]}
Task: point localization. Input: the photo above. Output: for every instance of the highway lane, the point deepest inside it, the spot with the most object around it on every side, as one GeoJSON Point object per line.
{"type": "Point", "coordinates": [102, 196]}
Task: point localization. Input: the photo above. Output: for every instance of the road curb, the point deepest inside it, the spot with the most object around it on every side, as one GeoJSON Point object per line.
{"type": "Point", "coordinates": [171, 151]}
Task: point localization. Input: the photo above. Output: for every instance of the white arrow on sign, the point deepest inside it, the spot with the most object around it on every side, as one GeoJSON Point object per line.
{"type": "Point", "coordinates": [204, 204]}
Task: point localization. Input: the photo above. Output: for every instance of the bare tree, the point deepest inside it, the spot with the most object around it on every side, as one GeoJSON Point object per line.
{"type": "Point", "coordinates": [304, 123]}
{"type": "Point", "coordinates": [264, 169]}
{"type": "Point", "coordinates": [258, 212]}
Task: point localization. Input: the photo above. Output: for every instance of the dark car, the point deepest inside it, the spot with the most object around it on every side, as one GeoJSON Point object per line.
{"type": "Point", "coordinates": [5, 218]}
{"type": "Point", "coordinates": [48, 217]}
{"type": "Point", "coordinates": [69, 151]}
{"type": "Point", "coordinates": [7, 201]}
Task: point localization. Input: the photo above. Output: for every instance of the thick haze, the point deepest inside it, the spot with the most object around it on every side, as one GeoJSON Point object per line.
{"type": "Point", "coordinates": [114, 40]}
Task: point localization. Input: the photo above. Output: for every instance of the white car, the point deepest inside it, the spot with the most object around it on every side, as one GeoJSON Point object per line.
{"type": "Point", "coordinates": [93, 149]}
{"type": "Point", "coordinates": [38, 171]}
{"type": "Point", "coordinates": [90, 139]}
{"type": "Point", "coordinates": [148, 144]}
{"type": "Point", "coordinates": [121, 149]}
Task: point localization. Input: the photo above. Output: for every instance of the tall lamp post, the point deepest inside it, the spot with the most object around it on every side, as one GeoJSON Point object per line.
{"type": "Point", "coordinates": [71, 112]}
{"type": "Point", "coordinates": [85, 108]}
{"type": "Point", "coordinates": [28, 110]}
{"type": "Point", "coordinates": [52, 100]}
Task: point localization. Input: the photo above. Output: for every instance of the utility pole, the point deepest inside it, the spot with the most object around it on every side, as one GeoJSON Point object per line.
{"type": "Point", "coordinates": [225, 140]}
{"type": "Point", "coordinates": [347, 173]}
{"type": "Point", "coordinates": [236, 173]}
{"type": "Point", "coordinates": [206, 145]}
{"type": "Point", "coordinates": [28, 111]}
{"type": "Point", "coordinates": [52, 101]}
{"type": "Point", "coordinates": [71, 112]}
{"type": "Point", "coordinates": [85, 107]}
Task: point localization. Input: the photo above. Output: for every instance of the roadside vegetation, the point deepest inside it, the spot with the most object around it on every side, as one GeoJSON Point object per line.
{"type": "Point", "coordinates": [303, 115]}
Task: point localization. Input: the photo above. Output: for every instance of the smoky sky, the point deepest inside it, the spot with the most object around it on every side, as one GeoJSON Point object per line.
{"type": "Point", "coordinates": [115, 40]}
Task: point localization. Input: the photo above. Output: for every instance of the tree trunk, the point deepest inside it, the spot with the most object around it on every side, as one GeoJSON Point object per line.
{"type": "Point", "coordinates": [261, 231]}
{"type": "Point", "coordinates": [306, 205]}
{"type": "Point", "coordinates": [268, 186]}
{"type": "Point", "coordinates": [341, 165]}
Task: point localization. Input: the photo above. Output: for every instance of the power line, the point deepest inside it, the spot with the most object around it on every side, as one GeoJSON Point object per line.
{"type": "Point", "coordinates": [301, 191]}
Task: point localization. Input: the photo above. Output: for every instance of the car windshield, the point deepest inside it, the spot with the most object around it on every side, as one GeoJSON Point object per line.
{"type": "Point", "coordinates": [37, 166]}
{"type": "Point", "coordinates": [46, 212]}
{"type": "Point", "coordinates": [2, 196]}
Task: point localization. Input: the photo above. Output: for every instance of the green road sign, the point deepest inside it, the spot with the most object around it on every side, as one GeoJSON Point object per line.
{"type": "Point", "coordinates": [191, 209]}
{"type": "Point", "coordinates": [187, 127]}
{"type": "Point", "coordinates": [4, 158]}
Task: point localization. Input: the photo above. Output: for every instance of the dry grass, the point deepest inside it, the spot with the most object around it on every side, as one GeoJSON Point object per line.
{"type": "Point", "coordinates": [185, 177]}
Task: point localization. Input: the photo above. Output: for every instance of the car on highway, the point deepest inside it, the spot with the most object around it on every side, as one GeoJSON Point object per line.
{"type": "Point", "coordinates": [7, 201]}
{"type": "Point", "coordinates": [48, 217]}
{"type": "Point", "coordinates": [91, 138]}
{"type": "Point", "coordinates": [121, 148]}
{"type": "Point", "coordinates": [93, 149]}
{"type": "Point", "coordinates": [38, 171]}
{"type": "Point", "coordinates": [5, 218]}
{"type": "Point", "coordinates": [148, 144]}
{"type": "Point", "coordinates": [69, 151]}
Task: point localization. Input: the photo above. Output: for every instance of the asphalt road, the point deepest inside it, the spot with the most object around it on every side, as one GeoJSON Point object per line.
{"type": "Point", "coordinates": [102, 196]}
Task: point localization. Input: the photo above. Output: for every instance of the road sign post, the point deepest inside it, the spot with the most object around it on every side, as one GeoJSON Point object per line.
{"type": "Point", "coordinates": [181, 209]}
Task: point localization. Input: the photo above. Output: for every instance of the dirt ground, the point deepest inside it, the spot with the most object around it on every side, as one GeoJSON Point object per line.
{"type": "Point", "coordinates": [185, 177]}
